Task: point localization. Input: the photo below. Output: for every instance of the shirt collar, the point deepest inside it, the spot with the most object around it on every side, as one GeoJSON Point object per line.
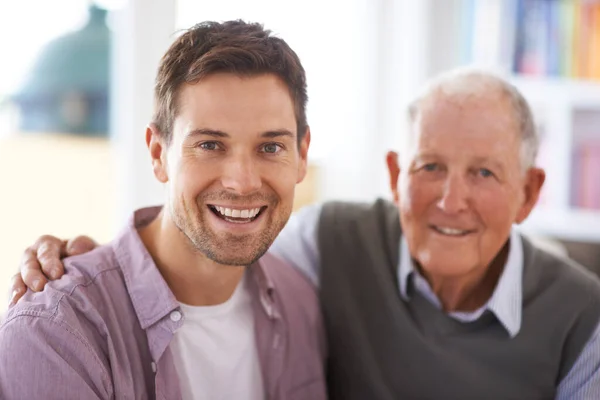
{"type": "Point", "coordinates": [265, 285]}
{"type": "Point", "coordinates": [152, 298]}
{"type": "Point", "coordinates": [506, 300]}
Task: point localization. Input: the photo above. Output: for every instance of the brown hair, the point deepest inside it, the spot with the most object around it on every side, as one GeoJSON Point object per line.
{"type": "Point", "coordinates": [233, 46]}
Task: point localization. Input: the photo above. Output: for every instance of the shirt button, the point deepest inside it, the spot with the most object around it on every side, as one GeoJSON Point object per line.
{"type": "Point", "coordinates": [175, 316]}
{"type": "Point", "coordinates": [153, 365]}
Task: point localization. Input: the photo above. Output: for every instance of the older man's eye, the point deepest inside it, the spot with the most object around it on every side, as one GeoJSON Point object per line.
{"type": "Point", "coordinates": [485, 173]}
{"type": "Point", "coordinates": [430, 167]}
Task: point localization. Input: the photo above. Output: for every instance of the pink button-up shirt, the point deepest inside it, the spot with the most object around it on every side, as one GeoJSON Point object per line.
{"type": "Point", "coordinates": [103, 330]}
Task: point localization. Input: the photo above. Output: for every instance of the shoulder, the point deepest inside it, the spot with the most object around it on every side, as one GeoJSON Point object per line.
{"type": "Point", "coordinates": [85, 268]}
{"type": "Point", "coordinates": [348, 217]}
{"type": "Point", "coordinates": [285, 277]}
{"type": "Point", "coordinates": [73, 303]}
{"type": "Point", "coordinates": [298, 300]}
{"type": "Point", "coordinates": [43, 326]}
{"type": "Point", "coordinates": [565, 297]}
{"type": "Point", "coordinates": [567, 289]}
{"type": "Point", "coordinates": [344, 210]}
{"type": "Point", "coordinates": [358, 228]}
{"type": "Point", "coordinates": [549, 270]}
{"type": "Point", "coordinates": [296, 294]}
{"type": "Point", "coordinates": [44, 339]}
{"type": "Point", "coordinates": [56, 332]}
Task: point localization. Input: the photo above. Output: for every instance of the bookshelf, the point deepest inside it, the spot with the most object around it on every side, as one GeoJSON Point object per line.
{"type": "Point", "coordinates": [550, 50]}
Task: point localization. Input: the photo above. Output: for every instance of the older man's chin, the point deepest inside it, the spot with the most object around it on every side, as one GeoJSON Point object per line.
{"type": "Point", "coordinates": [449, 262]}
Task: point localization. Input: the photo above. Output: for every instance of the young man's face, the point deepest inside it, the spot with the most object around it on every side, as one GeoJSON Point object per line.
{"type": "Point", "coordinates": [232, 165]}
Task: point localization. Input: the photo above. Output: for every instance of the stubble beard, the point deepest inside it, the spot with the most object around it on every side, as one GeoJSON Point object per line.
{"type": "Point", "coordinates": [228, 249]}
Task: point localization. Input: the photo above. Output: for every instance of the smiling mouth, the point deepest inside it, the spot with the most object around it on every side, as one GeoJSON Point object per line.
{"type": "Point", "coordinates": [237, 215]}
{"type": "Point", "coordinates": [454, 232]}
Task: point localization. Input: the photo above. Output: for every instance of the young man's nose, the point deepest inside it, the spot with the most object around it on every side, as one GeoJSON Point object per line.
{"type": "Point", "coordinates": [241, 175]}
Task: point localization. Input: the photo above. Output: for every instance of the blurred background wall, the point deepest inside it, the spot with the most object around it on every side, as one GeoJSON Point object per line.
{"type": "Point", "coordinates": [76, 94]}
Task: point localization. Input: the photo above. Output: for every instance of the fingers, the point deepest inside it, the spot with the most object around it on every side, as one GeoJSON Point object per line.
{"type": "Point", "coordinates": [43, 260]}
{"type": "Point", "coordinates": [80, 245]}
{"type": "Point", "coordinates": [31, 271]}
{"type": "Point", "coordinates": [50, 249]}
{"type": "Point", "coordinates": [17, 289]}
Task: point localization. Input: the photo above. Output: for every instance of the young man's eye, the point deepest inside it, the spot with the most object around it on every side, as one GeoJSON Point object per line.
{"type": "Point", "coordinates": [271, 148]}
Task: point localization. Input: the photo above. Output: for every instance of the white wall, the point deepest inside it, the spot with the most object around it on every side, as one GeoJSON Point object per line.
{"type": "Point", "coordinates": [143, 30]}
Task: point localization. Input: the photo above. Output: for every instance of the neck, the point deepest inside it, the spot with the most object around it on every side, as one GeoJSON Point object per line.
{"type": "Point", "coordinates": [471, 291]}
{"type": "Point", "coordinates": [192, 277]}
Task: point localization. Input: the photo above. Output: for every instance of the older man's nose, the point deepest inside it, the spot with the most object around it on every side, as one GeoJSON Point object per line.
{"type": "Point", "coordinates": [455, 195]}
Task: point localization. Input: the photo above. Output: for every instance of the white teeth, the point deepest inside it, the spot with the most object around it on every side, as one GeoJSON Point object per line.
{"type": "Point", "coordinates": [234, 213]}
{"type": "Point", "coordinates": [451, 231]}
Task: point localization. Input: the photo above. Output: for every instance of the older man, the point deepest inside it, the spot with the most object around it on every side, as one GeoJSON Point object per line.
{"type": "Point", "coordinates": [436, 295]}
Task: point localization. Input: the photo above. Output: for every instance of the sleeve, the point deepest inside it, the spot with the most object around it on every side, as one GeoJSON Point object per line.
{"type": "Point", "coordinates": [298, 242]}
{"type": "Point", "coordinates": [44, 359]}
{"type": "Point", "coordinates": [583, 380]}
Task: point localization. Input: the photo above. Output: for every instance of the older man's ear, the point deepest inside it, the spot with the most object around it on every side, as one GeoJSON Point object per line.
{"type": "Point", "coordinates": [391, 159]}
{"type": "Point", "coordinates": [534, 181]}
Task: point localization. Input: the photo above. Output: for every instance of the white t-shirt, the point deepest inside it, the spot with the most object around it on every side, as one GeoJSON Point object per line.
{"type": "Point", "coordinates": [215, 350]}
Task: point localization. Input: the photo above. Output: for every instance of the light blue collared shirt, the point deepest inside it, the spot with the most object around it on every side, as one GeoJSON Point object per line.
{"type": "Point", "coordinates": [505, 302]}
{"type": "Point", "coordinates": [298, 245]}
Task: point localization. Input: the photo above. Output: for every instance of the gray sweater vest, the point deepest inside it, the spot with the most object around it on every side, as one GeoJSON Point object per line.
{"type": "Point", "coordinates": [381, 347]}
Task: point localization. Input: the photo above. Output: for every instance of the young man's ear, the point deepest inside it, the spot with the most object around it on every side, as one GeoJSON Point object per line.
{"type": "Point", "coordinates": [158, 152]}
{"type": "Point", "coordinates": [394, 170]}
{"type": "Point", "coordinates": [533, 186]}
{"type": "Point", "coordinates": [303, 150]}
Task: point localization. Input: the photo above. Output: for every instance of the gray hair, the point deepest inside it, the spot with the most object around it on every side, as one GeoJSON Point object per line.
{"type": "Point", "coordinates": [472, 82]}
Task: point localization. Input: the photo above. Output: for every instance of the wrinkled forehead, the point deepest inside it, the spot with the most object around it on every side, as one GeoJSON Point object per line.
{"type": "Point", "coordinates": [461, 118]}
{"type": "Point", "coordinates": [493, 109]}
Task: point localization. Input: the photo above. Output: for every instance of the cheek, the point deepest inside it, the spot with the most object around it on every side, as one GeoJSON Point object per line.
{"type": "Point", "coordinates": [282, 179]}
{"type": "Point", "coordinates": [497, 209]}
{"type": "Point", "coordinates": [191, 178]}
{"type": "Point", "coordinates": [416, 197]}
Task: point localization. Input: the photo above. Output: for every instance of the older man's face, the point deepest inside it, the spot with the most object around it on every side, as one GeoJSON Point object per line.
{"type": "Point", "coordinates": [462, 186]}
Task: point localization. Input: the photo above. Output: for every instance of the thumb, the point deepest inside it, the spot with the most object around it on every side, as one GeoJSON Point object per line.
{"type": "Point", "coordinates": [80, 245]}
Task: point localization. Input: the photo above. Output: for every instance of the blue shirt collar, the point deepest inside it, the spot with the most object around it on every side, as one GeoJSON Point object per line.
{"type": "Point", "coordinates": [506, 301]}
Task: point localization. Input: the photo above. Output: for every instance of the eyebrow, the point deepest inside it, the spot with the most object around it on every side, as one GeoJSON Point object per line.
{"type": "Point", "coordinates": [424, 157]}
{"type": "Point", "coordinates": [484, 160]}
{"type": "Point", "coordinates": [221, 134]}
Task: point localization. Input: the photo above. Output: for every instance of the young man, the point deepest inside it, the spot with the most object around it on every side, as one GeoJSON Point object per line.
{"type": "Point", "coordinates": [184, 303]}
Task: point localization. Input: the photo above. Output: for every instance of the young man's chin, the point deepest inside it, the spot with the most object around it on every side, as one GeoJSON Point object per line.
{"type": "Point", "coordinates": [234, 258]}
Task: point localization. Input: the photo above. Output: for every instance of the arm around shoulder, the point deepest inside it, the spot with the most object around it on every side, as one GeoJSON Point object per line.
{"type": "Point", "coordinates": [43, 358]}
